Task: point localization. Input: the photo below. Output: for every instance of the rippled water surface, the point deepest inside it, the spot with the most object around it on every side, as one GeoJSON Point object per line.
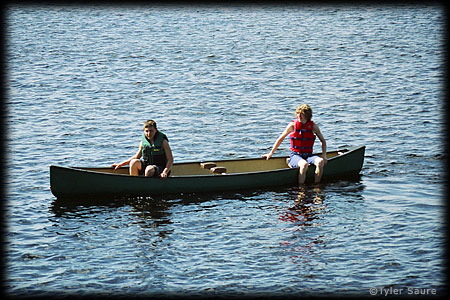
{"type": "Point", "coordinates": [223, 82]}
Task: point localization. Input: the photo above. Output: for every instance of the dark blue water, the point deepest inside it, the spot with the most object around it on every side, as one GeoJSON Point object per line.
{"type": "Point", "coordinates": [223, 82]}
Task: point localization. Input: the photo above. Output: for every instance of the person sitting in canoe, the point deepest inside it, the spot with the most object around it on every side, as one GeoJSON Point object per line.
{"type": "Point", "coordinates": [303, 132]}
{"type": "Point", "coordinates": [154, 157]}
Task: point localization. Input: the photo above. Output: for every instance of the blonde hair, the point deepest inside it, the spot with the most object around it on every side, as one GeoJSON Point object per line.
{"type": "Point", "coordinates": [306, 110]}
{"type": "Point", "coordinates": [150, 123]}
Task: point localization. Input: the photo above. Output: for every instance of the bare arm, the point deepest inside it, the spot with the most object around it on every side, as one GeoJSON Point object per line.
{"type": "Point", "coordinates": [279, 140]}
{"type": "Point", "coordinates": [169, 157]}
{"type": "Point", "coordinates": [127, 162]}
{"type": "Point", "coordinates": [322, 140]}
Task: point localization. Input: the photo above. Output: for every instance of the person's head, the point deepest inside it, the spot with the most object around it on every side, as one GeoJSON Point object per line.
{"type": "Point", "coordinates": [150, 128]}
{"type": "Point", "coordinates": [304, 109]}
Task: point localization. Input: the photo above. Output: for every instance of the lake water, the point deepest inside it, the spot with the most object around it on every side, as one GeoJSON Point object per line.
{"type": "Point", "coordinates": [223, 82]}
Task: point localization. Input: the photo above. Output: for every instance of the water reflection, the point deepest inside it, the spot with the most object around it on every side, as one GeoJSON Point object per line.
{"type": "Point", "coordinates": [147, 212]}
{"type": "Point", "coordinates": [152, 214]}
{"type": "Point", "coordinates": [313, 210]}
{"type": "Point", "coordinates": [307, 204]}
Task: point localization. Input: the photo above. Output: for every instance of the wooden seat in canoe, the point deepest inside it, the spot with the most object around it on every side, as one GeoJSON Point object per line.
{"type": "Point", "coordinates": [218, 170]}
{"type": "Point", "coordinates": [207, 165]}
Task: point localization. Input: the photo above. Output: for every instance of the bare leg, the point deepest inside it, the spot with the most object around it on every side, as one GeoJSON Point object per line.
{"type": "Point", "coordinates": [149, 171]}
{"type": "Point", "coordinates": [135, 167]}
{"type": "Point", "coordinates": [302, 169]}
{"type": "Point", "coordinates": [319, 169]}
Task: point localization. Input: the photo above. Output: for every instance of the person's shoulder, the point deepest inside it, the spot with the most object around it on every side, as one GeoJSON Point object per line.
{"type": "Point", "coordinates": [315, 126]}
{"type": "Point", "coordinates": [165, 142]}
{"type": "Point", "coordinates": [164, 136]}
{"type": "Point", "coordinates": [290, 127]}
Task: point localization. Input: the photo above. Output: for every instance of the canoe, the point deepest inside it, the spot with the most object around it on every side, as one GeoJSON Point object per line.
{"type": "Point", "coordinates": [195, 177]}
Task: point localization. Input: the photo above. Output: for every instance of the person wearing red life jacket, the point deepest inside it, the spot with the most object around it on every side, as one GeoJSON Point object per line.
{"type": "Point", "coordinates": [302, 133]}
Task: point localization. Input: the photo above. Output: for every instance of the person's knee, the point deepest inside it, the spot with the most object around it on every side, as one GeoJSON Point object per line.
{"type": "Point", "coordinates": [303, 165]}
{"type": "Point", "coordinates": [320, 162]}
{"type": "Point", "coordinates": [149, 171]}
{"type": "Point", "coordinates": [135, 162]}
{"type": "Point", "coordinates": [135, 165]}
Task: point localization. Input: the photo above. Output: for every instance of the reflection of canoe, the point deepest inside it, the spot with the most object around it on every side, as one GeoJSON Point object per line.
{"type": "Point", "coordinates": [191, 177]}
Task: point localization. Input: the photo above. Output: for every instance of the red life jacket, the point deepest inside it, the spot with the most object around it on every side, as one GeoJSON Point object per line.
{"type": "Point", "coordinates": [302, 139]}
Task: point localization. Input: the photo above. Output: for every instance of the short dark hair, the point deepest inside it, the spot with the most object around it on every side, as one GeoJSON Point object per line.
{"type": "Point", "coordinates": [150, 123]}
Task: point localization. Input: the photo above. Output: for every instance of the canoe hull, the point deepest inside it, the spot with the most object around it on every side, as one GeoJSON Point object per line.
{"type": "Point", "coordinates": [95, 182]}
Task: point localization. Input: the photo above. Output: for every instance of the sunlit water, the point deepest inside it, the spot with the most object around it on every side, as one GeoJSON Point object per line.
{"type": "Point", "coordinates": [223, 82]}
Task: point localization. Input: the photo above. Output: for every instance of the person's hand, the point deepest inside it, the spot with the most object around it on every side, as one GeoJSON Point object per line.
{"type": "Point", "coordinates": [164, 174]}
{"type": "Point", "coordinates": [267, 156]}
{"type": "Point", "coordinates": [116, 165]}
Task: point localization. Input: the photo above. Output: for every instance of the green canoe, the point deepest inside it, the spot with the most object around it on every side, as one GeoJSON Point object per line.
{"type": "Point", "coordinates": [194, 177]}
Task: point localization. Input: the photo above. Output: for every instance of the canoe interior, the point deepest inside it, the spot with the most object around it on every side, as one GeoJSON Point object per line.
{"type": "Point", "coordinates": [232, 166]}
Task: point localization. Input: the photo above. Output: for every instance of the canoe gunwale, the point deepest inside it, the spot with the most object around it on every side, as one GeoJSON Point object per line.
{"type": "Point", "coordinates": [86, 169]}
{"type": "Point", "coordinates": [75, 169]}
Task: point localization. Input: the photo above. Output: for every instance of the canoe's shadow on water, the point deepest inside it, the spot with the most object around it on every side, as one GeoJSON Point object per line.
{"type": "Point", "coordinates": [61, 207]}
